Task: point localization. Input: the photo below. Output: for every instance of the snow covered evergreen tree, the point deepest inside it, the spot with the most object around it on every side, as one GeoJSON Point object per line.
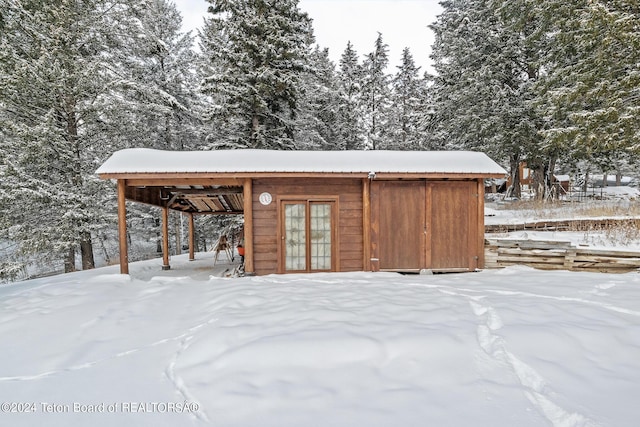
{"type": "Point", "coordinates": [257, 52]}
{"type": "Point", "coordinates": [79, 80]}
{"type": "Point", "coordinates": [158, 84]}
{"type": "Point", "coordinates": [316, 128]}
{"type": "Point", "coordinates": [486, 63]}
{"type": "Point", "coordinates": [376, 96]}
{"type": "Point", "coordinates": [590, 92]}
{"type": "Point", "coordinates": [53, 70]}
{"type": "Point", "coordinates": [350, 120]}
{"type": "Point", "coordinates": [407, 111]}
{"type": "Point", "coordinates": [157, 90]}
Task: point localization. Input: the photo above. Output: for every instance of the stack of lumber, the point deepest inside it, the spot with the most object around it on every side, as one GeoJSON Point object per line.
{"type": "Point", "coordinates": [605, 261]}
{"type": "Point", "coordinates": [557, 255]}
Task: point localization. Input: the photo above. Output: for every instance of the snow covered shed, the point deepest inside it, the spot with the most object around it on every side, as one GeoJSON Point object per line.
{"type": "Point", "coordinates": [308, 211]}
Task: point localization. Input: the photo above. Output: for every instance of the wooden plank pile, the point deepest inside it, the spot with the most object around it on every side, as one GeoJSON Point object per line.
{"type": "Point", "coordinates": [557, 255]}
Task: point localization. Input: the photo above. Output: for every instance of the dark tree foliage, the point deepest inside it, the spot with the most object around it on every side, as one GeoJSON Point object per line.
{"type": "Point", "coordinates": [257, 54]}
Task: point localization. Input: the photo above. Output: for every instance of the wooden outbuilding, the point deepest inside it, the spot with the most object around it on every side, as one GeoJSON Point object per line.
{"type": "Point", "coordinates": [313, 211]}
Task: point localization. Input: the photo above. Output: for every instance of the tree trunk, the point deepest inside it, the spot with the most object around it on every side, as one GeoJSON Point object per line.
{"type": "Point", "coordinates": [86, 247]}
{"type": "Point", "coordinates": [70, 261]}
{"type": "Point", "coordinates": [255, 131]}
{"type": "Point", "coordinates": [178, 226]}
{"type": "Point", "coordinates": [538, 182]}
{"type": "Point", "coordinates": [158, 235]}
{"type": "Point", "coordinates": [585, 184]}
{"type": "Point", "coordinates": [105, 252]}
{"type": "Point", "coordinates": [86, 251]}
{"type": "Point", "coordinates": [373, 126]}
{"type": "Point", "coordinates": [515, 189]}
{"type": "Point", "coordinates": [551, 190]}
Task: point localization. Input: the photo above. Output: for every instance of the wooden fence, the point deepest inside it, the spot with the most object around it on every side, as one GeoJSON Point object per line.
{"type": "Point", "coordinates": [579, 224]}
{"type": "Point", "coordinates": [557, 255]}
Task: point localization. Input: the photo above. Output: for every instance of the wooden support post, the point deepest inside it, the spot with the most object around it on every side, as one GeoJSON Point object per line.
{"type": "Point", "coordinates": [480, 225]}
{"type": "Point", "coordinates": [165, 239]}
{"type": "Point", "coordinates": [248, 226]}
{"type": "Point", "coordinates": [192, 239]}
{"type": "Point", "coordinates": [366, 224]}
{"type": "Point", "coordinates": [374, 233]}
{"type": "Point", "coordinates": [122, 227]}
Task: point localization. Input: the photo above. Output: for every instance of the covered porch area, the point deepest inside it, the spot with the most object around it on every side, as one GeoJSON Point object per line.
{"type": "Point", "coordinates": [191, 196]}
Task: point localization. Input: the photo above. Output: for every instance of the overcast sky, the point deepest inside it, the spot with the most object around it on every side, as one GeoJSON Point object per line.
{"type": "Point", "coordinates": [403, 23]}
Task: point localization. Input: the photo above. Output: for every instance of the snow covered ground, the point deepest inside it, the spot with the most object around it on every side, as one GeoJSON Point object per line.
{"type": "Point", "coordinates": [512, 347]}
{"type": "Point", "coordinates": [622, 204]}
{"type": "Point", "coordinates": [615, 203]}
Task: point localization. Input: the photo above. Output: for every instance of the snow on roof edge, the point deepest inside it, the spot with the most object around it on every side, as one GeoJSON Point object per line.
{"type": "Point", "coordinates": [145, 160]}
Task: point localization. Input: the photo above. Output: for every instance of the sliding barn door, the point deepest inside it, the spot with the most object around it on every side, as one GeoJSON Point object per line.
{"type": "Point", "coordinates": [399, 211]}
{"type": "Point", "coordinates": [452, 210]}
{"type": "Point", "coordinates": [424, 225]}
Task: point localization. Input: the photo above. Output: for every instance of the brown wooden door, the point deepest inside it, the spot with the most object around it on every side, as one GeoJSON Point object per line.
{"type": "Point", "coordinates": [452, 209]}
{"type": "Point", "coordinates": [400, 211]}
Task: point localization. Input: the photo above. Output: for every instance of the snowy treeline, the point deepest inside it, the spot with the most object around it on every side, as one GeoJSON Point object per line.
{"type": "Point", "coordinates": [544, 81]}
{"type": "Point", "coordinates": [79, 80]}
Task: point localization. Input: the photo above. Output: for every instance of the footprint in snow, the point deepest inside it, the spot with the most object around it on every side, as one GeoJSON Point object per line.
{"type": "Point", "coordinates": [534, 385]}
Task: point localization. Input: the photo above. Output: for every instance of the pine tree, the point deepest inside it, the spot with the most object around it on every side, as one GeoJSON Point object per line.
{"type": "Point", "coordinates": [350, 120]}
{"type": "Point", "coordinates": [376, 96]}
{"type": "Point", "coordinates": [408, 106]}
{"type": "Point", "coordinates": [158, 84]}
{"type": "Point", "coordinates": [257, 53]}
{"type": "Point", "coordinates": [316, 128]}
{"type": "Point", "coordinates": [486, 62]}
{"type": "Point", "coordinates": [53, 70]}
{"type": "Point", "coordinates": [79, 80]}
{"type": "Point", "coordinates": [157, 90]}
{"type": "Point", "coordinates": [589, 94]}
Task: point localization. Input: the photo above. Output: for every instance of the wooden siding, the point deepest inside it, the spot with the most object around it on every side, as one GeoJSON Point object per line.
{"type": "Point", "coordinates": [349, 218]}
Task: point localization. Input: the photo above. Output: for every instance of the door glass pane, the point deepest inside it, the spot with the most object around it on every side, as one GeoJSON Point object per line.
{"type": "Point", "coordinates": [320, 232]}
{"type": "Point", "coordinates": [295, 236]}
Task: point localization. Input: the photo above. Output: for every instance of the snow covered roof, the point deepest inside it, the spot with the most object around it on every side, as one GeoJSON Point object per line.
{"type": "Point", "coordinates": [142, 160]}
